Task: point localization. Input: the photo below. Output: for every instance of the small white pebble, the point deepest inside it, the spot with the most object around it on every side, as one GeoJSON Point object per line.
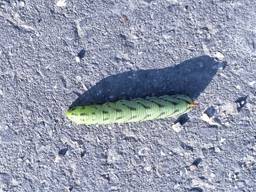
{"type": "Point", "coordinates": [21, 3]}
{"type": "Point", "coordinates": [1, 93]}
{"type": "Point", "coordinates": [252, 83]}
{"type": "Point", "coordinates": [173, 2]}
{"type": "Point", "coordinates": [55, 86]}
{"type": "Point", "coordinates": [57, 159]}
{"type": "Point", "coordinates": [78, 78]}
{"type": "Point", "coordinates": [79, 30]}
{"type": "Point", "coordinates": [205, 117]}
{"type": "Point", "coordinates": [13, 3]}
{"type": "Point", "coordinates": [167, 36]}
{"type": "Point", "coordinates": [219, 55]}
{"type": "Point", "coordinates": [133, 36]}
{"type": "Point", "coordinates": [77, 59]}
{"type": "Point", "coordinates": [254, 147]}
{"type": "Point", "coordinates": [219, 66]}
{"type": "Point", "coordinates": [177, 127]}
{"type": "Point", "coordinates": [209, 120]}
{"type": "Point", "coordinates": [14, 182]}
{"type": "Point", "coordinates": [109, 128]}
{"type": "Point", "coordinates": [84, 87]}
{"type": "Point", "coordinates": [217, 149]}
{"type": "Point", "coordinates": [176, 186]}
{"type": "Point", "coordinates": [163, 154]}
{"type": "Point", "coordinates": [193, 168]}
{"type": "Point", "coordinates": [78, 182]}
{"type": "Point", "coordinates": [205, 49]}
{"type": "Point", "coordinates": [126, 56]}
{"type": "Point", "coordinates": [227, 124]}
{"type": "Point", "coordinates": [238, 87]}
{"type": "Point", "coordinates": [148, 168]}
{"type": "Point", "coordinates": [212, 175]}
{"type": "Point", "coordinates": [61, 3]}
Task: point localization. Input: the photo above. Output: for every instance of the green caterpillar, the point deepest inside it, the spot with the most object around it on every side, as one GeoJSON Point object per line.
{"type": "Point", "coordinates": [135, 110]}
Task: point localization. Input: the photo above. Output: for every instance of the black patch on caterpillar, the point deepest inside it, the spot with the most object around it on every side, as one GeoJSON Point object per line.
{"type": "Point", "coordinates": [186, 101]}
{"type": "Point", "coordinates": [93, 113]}
{"type": "Point", "coordinates": [119, 118]}
{"type": "Point", "coordinates": [118, 110]}
{"type": "Point", "coordinates": [169, 101]}
{"type": "Point", "coordinates": [163, 113]}
{"type": "Point", "coordinates": [72, 109]}
{"type": "Point", "coordinates": [158, 104]}
{"type": "Point", "coordinates": [135, 116]}
{"type": "Point", "coordinates": [73, 114]}
{"type": "Point", "coordinates": [174, 102]}
{"type": "Point", "coordinates": [143, 105]}
{"type": "Point", "coordinates": [148, 115]}
{"type": "Point", "coordinates": [132, 108]}
{"type": "Point", "coordinates": [129, 107]}
{"type": "Point", "coordinates": [83, 114]}
{"type": "Point", "coordinates": [109, 106]}
{"type": "Point", "coordinates": [105, 112]}
{"type": "Point", "coordinates": [177, 110]}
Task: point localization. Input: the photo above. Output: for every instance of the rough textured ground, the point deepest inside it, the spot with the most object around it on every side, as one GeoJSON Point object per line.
{"type": "Point", "coordinates": [53, 51]}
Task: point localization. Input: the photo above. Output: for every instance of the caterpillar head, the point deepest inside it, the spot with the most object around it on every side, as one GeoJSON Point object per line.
{"type": "Point", "coordinates": [189, 103]}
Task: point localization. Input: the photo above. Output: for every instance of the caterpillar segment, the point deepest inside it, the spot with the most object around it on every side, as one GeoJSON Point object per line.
{"type": "Point", "coordinates": [135, 110]}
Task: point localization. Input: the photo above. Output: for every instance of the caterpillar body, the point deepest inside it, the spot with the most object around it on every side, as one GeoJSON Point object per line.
{"type": "Point", "coordinates": [135, 110]}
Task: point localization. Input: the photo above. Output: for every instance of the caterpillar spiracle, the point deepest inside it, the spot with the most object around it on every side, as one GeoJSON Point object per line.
{"type": "Point", "coordinates": [135, 110]}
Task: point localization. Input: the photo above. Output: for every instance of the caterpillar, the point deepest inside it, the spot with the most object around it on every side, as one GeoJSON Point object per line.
{"type": "Point", "coordinates": [135, 110]}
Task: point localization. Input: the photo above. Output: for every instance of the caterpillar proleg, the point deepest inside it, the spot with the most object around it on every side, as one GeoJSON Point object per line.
{"type": "Point", "coordinates": [135, 110]}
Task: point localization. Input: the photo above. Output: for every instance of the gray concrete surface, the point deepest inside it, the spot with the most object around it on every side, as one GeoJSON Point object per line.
{"type": "Point", "coordinates": [204, 48]}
